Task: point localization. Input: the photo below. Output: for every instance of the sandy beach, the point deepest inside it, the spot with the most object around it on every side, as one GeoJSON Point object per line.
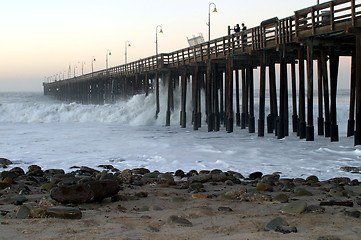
{"type": "Point", "coordinates": [194, 205]}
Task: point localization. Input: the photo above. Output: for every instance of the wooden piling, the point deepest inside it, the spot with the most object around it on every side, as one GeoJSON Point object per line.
{"type": "Point", "coordinates": [334, 64]}
{"type": "Point", "coordinates": [320, 120]}
{"type": "Point", "coordinates": [157, 94]}
{"type": "Point", "coordinates": [351, 117]}
{"type": "Point", "coordinates": [357, 137]}
{"type": "Point", "coordinates": [170, 93]}
{"type": "Point", "coordinates": [301, 103]}
{"type": "Point", "coordinates": [251, 118]}
{"type": "Point", "coordinates": [271, 118]}
{"type": "Point", "coordinates": [262, 93]}
{"type": "Point", "coordinates": [229, 81]}
{"type": "Point", "coordinates": [310, 128]}
{"type": "Point", "coordinates": [326, 93]}
{"type": "Point", "coordinates": [238, 114]}
{"type": "Point", "coordinates": [183, 118]}
{"type": "Point", "coordinates": [244, 99]}
{"type": "Point", "coordinates": [294, 98]}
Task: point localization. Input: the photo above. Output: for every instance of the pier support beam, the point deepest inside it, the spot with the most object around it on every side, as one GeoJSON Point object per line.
{"type": "Point", "coordinates": [334, 64]}
{"type": "Point", "coordinates": [271, 118]}
{"type": "Point", "coordinates": [326, 96]}
{"type": "Point", "coordinates": [229, 81]}
{"type": "Point", "coordinates": [301, 103]}
{"type": "Point", "coordinates": [157, 94]}
{"type": "Point", "coordinates": [351, 118]}
{"type": "Point", "coordinates": [262, 93]}
{"type": "Point", "coordinates": [320, 119]}
{"type": "Point", "coordinates": [244, 100]}
{"type": "Point", "coordinates": [170, 97]}
{"type": "Point", "coordinates": [183, 118]}
{"type": "Point", "coordinates": [294, 98]}
{"type": "Point", "coordinates": [251, 118]}
{"type": "Point", "coordinates": [282, 129]}
{"type": "Point", "coordinates": [209, 96]}
{"type": "Point", "coordinates": [195, 97]}
{"type": "Point", "coordinates": [238, 114]}
{"type": "Point", "coordinates": [310, 135]}
{"type": "Point", "coordinates": [358, 91]}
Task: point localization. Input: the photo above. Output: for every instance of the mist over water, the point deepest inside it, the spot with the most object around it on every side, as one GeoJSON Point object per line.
{"type": "Point", "coordinates": [37, 129]}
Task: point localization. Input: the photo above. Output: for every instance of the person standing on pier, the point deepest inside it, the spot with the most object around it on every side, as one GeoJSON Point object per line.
{"type": "Point", "coordinates": [244, 36]}
{"type": "Point", "coordinates": [237, 29]}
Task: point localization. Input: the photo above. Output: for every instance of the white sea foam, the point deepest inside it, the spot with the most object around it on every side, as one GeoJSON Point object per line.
{"type": "Point", "coordinates": [37, 129]}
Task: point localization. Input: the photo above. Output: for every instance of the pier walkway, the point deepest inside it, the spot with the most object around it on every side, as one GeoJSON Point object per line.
{"type": "Point", "coordinates": [225, 65]}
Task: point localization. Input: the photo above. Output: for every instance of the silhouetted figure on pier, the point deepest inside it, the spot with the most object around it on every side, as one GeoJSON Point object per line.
{"type": "Point", "coordinates": [244, 36]}
{"type": "Point", "coordinates": [237, 29]}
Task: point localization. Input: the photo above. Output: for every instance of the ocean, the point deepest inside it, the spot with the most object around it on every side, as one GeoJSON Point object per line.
{"type": "Point", "coordinates": [37, 129]}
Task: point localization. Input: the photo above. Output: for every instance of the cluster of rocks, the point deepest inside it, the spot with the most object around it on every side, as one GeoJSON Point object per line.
{"type": "Point", "coordinates": [25, 190]}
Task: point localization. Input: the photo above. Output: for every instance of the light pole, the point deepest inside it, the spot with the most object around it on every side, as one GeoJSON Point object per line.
{"type": "Point", "coordinates": [93, 60]}
{"type": "Point", "coordinates": [209, 19]}
{"type": "Point", "coordinates": [156, 37]}
{"type": "Point", "coordinates": [82, 67]}
{"type": "Point", "coordinates": [75, 67]}
{"type": "Point", "coordinates": [127, 44]}
{"type": "Point", "coordinates": [108, 54]}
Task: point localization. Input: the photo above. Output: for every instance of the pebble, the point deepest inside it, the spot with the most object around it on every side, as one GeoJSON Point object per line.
{"type": "Point", "coordinates": [85, 192]}
{"type": "Point", "coordinates": [261, 186]}
{"type": "Point", "coordinates": [283, 198]}
{"type": "Point", "coordinates": [276, 222]}
{"type": "Point", "coordinates": [23, 212]}
{"type": "Point", "coordinates": [225, 209]}
{"type": "Point", "coordinates": [64, 212]}
{"type": "Point", "coordinates": [19, 199]}
{"type": "Point", "coordinates": [296, 207]}
{"type": "Point", "coordinates": [179, 221]}
{"type": "Point", "coordinates": [255, 175]}
{"type": "Point", "coordinates": [354, 214]}
{"type": "Point", "coordinates": [4, 161]}
{"type": "Point", "coordinates": [315, 209]}
{"type": "Point", "coordinates": [199, 196]}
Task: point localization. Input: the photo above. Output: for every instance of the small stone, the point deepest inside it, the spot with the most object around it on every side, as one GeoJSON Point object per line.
{"type": "Point", "coordinates": [235, 174]}
{"type": "Point", "coordinates": [152, 174]}
{"type": "Point", "coordinates": [286, 229]}
{"type": "Point", "coordinates": [64, 212]}
{"type": "Point", "coordinates": [199, 196]}
{"type": "Point", "coordinates": [255, 197]}
{"type": "Point", "coordinates": [234, 194]}
{"type": "Point", "coordinates": [299, 192]}
{"type": "Point", "coordinates": [354, 214]}
{"type": "Point", "coordinates": [88, 170]}
{"type": "Point", "coordinates": [255, 175]}
{"type": "Point", "coordinates": [109, 167]}
{"type": "Point", "coordinates": [358, 201]}
{"type": "Point", "coordinates": [53, 172]}
{"type": "Point", "coordinates": [179, 221]}
{"type": "Point", "coordinates": [261, 186]}
{"type": "Point", "coordinates": [152, 229]}
{"type": "Point", "coordinates": [315, 209]}
{"type": "Point", "coordinates": [276, 222]}
{"type": "Point", "coordinates": [4, 185]}
{"type": "Point", "coordinates": [225, 209]}
{"type": "Point", "coordinates": [23, 212]}
{"type": "Point", "coordinates": [350, 169]}
{"type": "Point", "coordinates": [48, 186]}
{"type": "Point", "coordinates": [19, 199]}
{"type": "Point", "coordinates": [8, 180]}
{"type": "Point", "coordinates": [191, 173]}
{"type": "Point", "coordinates": [296, 207]}
{"type": "Point", "coordinates": [283, 198]}
{"type": "Point", "coordinates": [5, 162]}
{"type": "Point", "coordinates": [38, 212]}
{"type": "Point", "coordinates": [202, 178]}
{"type": "Point", "coordinates": [140, 171]}
{"type": "Point", "coordinates": [179, 173]}
{"type": "Point", "coordinates": [336, 192]}
{"type": "Point", "coordinates": [312, 180]}
{"type": "Point", "coordinates": [196, 187]}
{"type": "Point", "coordinates": [165, 178]}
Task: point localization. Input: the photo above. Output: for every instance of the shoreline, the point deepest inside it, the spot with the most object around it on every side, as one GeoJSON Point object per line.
{"type": "Point", "coordinates": [139, 204]}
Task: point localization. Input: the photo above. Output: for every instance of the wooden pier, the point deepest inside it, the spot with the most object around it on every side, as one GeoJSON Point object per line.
{"type": "Point", "coordinates": [225, 65]}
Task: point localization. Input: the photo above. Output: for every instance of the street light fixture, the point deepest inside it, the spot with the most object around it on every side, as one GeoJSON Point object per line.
{"type": "Point", "coordinates": [93, 60]}
{"type": "Point", "coordinates": [108, 54]}
{"type": "Point", "coordinates": [127, 44]}
{"type": "Point", "coordinates": [209, 19]}
{"type": "Point", "coordinates": [156, 37]}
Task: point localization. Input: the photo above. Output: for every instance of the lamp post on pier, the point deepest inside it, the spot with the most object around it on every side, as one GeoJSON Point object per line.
{"type": "Point", "coordinates": [127, 44]}
{"type": "Point", "coordinates": [209, 19]}
{"type": "Point", "coordinates": [93, 60]}
{"type": "Point", "coordinates": [106, 62]}
{"type": "Point", "coordinates": [82, 67]}
{"type": "Point", "coordinates": [156, 37]}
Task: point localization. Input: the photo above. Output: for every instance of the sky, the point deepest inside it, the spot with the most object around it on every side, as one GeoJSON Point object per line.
{"type": "Point", "coordinates": [41, 38]}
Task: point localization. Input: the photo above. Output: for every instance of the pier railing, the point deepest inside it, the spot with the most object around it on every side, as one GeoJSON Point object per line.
{"type": "Point", "coordinates": [318, 19]}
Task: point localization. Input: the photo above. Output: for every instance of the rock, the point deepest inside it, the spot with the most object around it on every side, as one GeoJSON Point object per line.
{"type": "Point", "coordinates": [200, 178]}
{"type": "Point", "coordinates": [350, 169]}
{"type": "Point", "coordinates": [255, 175]}
{"type": "Point", "coordinates": [283, 198]}
{"type": "Point", "coordinates": [18, 171]}
{"type": "Point", "coordinates": [196, 187]}
{"type": "Point", "coordinates": [5, 162]}
{"type": "Point", "coordinates": [218, 177]}
{"type": "Point", "coordinates": [261, 186]}
{"type": "Point", "coordinates": [234, 194]}
{"type": "Point", "coordinates": [296, 207]}
{"type": "Point", "coordinates": [165, 178]}
{"type": "Point", "coordinates": [8, 180]}
{"type": "Point", "coordinates": [358, 201]}
{"type": "Point", "coordinates": [108, 176]}
{"type": "Point", "coordinates": [126, 176]}
{"type": "Point", "coordinates": [64, 212]}
{"type": "Point", "coordinates": [53, 172]}
{"type": "Point", "coordinates": [225, 209]}
{"type": "Point", "coordinates": [179, 221]}
{"type": "Point", "coordinates": [48, 186]}
{"type": "Point", "coordinates": [235, 174]}
{"type": "Point", "coordinates": [286, 229]}
{"type": "Point", "coordinates": [38, 212]}
{"type": "Point", "coordinates": [84, 170]}
{"type": "Point", "coordinates": [140, 171]}
{"type": "Point", "coordinates": [152, 229]}
{"type": "Point", "coordinates": [276, 222]}
{"type": "Point", "coordinates": [19, 199]}
{"type": "Point", "coordinates": [4, 185]}
{"type": "Point", "coordinates": [199, 196]}
{"type": "Point", "coordinates": [354, 214]}
{"type": "Point", "coordinates": [337, 192]}
{"type": "Point", "coordinates": [192, 173]}
{"type": "Point", "coordinates": [311, 180]}
{"type": "Point", "coordinates": [315, 209]}
{"type": "Point", "coordinates": [270, 179]}
{"type": "Point", "coordinates": [23, 212]}
{"type": "Point", "coordinates": [299, 192]}
{"type": "Point", "coordinates": [144, 209]}
{"type": "Point", "coordinates": [179, 173]}
{"type": "Point", "coordinates": [85, 192]}
{"type": "Point", "coordinates": [108, 167]}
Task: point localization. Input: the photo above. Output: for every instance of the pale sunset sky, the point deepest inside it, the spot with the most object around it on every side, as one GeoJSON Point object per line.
{"type": "Point", "coordinates": [41, 38]}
